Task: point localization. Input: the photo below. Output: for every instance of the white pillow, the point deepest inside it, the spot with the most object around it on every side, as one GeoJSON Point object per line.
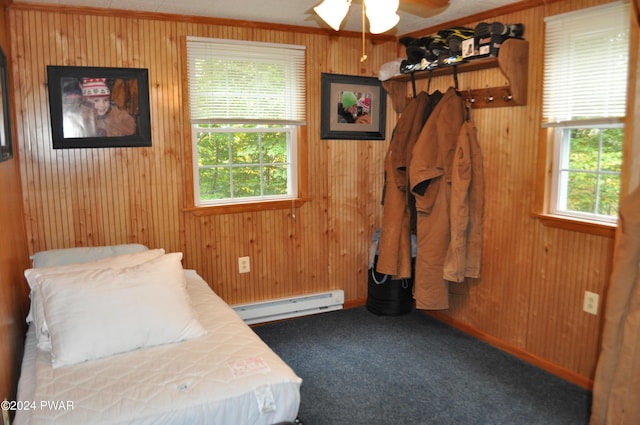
{"type": "Point", "coordinates": [59, 257]}
{"type": "Point", "coordinates": [34, 276]}
{"type": "Point", "coordinates": [62, 256]}
{"type": "Point", "coordinates": [95, 313]}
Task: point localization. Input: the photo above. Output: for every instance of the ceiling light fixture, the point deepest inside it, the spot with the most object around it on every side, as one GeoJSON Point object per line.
{"type": "Point", "coordinates": [382, 15]}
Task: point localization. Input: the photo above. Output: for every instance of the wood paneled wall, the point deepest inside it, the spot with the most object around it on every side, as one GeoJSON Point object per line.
{"type": "Point", "coordinates": [14, 258]}
{"type": "Point", "coordinates": [529, 299]}
{"type": "Point", "coordinates": [530, 294]}
{"type": "Point", "coordinates": [632, 151]}
{"type": "Point", "coordinates": [118, 195]}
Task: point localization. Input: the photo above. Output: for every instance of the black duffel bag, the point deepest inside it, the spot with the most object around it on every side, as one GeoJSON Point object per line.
{"type": "Point", "coordinates": [387, 296]}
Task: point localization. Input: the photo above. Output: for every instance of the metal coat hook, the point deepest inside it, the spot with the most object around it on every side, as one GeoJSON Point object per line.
{"type": "Point", "coordinates": [508, 97]}
{"type": "Point", "coordinates": [488, 97]}
{"type": "Point", "coordinates": [470, 98]}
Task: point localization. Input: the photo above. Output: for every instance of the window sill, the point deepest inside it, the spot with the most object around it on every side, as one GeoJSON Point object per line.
{"type": "Point", "coordinates": [247, 207]}
{"type": "Point", "coordinates": [576, 225]}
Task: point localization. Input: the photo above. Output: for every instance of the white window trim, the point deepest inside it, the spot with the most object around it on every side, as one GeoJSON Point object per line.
{"type": "Point", "coordinates": [558, 195]}
{"type": "Point", "coordinates": [292, 175]}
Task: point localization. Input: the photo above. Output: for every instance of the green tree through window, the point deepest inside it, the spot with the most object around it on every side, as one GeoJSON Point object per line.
{"type": "Point", "coordinates": [589, 176]}
{"type": "Point", "coordinates": [243, 161]}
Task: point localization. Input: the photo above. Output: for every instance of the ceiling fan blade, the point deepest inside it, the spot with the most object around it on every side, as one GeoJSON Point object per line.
{"type": "Point", "coordinates": [423, 8]}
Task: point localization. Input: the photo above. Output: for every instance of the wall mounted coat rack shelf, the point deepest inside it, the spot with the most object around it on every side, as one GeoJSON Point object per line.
{"type": "Point", "coordinates": [512, 60]}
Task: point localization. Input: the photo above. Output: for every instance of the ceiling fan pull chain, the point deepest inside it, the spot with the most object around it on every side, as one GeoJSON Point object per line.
{"type": "Point", "coordinates": [364, 55]}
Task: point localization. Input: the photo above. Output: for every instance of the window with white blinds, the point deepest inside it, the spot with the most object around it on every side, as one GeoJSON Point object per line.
{"type": "Point", "coordinates": [586, 64]}
{"type": "Point", "coordinates": [585, 100]}
{"type": "Point", "coordinates": [247, 104]}
{"type": "Point", "coordinates": [245, 82]}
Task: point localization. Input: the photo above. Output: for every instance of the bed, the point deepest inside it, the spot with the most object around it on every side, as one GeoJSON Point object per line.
{"type": "Point", "coordinates": [124, 335]}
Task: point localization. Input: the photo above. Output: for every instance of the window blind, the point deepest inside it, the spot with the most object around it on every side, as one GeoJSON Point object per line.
{"type": "Point", "coordinates": [242, 82]}
{"type": "Point", "coordinates": [586, 64]}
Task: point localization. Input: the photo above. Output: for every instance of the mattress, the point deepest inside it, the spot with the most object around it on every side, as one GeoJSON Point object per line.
{"type": "Point", "coordinates": [227, 377]}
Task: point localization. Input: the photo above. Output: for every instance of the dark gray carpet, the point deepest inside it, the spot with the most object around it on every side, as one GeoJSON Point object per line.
{"type": "Point", "coordinates": [359, 368]}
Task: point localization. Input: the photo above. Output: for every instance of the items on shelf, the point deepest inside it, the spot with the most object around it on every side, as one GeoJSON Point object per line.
{"type": "Point", "coordinates": [456, 45]}
{"type": "Point", "coordinates": [512, 63]}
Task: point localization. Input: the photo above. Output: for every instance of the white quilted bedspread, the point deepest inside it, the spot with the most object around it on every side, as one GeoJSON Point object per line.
{"type": "Point", "coordinates": [227, 377]}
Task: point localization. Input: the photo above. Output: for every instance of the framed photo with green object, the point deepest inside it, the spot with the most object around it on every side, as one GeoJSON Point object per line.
{"type": "Point", "coordinates": [352, 107]}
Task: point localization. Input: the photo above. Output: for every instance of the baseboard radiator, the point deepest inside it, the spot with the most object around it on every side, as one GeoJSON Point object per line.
{"type": "Point", "coordinates": [284, 308]}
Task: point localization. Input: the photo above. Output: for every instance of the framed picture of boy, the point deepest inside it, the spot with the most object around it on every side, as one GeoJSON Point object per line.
{"type": "Point", "coordinates": [94, 107]}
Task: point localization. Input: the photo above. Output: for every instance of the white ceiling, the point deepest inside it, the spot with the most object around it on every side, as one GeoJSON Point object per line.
{"type": "Point", "coordinates": [291, 12]}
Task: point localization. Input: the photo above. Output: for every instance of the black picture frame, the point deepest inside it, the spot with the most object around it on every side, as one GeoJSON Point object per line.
{"type": "Point", "coordinates": [77, 98]}
{"type": "Point", "coordinates": [371, 102]}
{"type": "Point", "coordinates": [6, 140]}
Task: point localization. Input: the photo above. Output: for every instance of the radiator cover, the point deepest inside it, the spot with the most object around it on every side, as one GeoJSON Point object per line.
{"type": "Point", "coordinates": [284, 308]}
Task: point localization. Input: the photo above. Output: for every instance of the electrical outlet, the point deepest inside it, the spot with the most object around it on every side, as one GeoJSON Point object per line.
{"type": "Point", "coordinates": [591, 302]}
{"type": "Point", "coordinates": [244, 265]}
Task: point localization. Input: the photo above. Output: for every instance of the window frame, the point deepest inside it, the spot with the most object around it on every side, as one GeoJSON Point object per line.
{"type": "Point", "coordinates": [299, 160]}
{"type": "Point", "coordinates": [544, 192]}
{"type": "Point", "coordinates": [560, 155]}
{"type": "Point", "coordinates": [546, 161]}
{"type": "Point", "coordinates": [292, 176]}
{"type": "Point", "coordinates": [262, 205]}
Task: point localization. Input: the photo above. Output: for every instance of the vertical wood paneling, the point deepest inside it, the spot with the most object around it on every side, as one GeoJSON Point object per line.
{"type": "Point", "coordinates": [632, 150]}
{"type": "Point", "coordinates": [533, 278]}
{"type": "Point", "coordinates": [530, 292]}
{"type": "Point", "coordinates": [14, 258]}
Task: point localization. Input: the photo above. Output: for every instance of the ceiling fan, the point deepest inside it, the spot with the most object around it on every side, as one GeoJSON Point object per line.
{"type": "Point", "coordinates": [382, 14]}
